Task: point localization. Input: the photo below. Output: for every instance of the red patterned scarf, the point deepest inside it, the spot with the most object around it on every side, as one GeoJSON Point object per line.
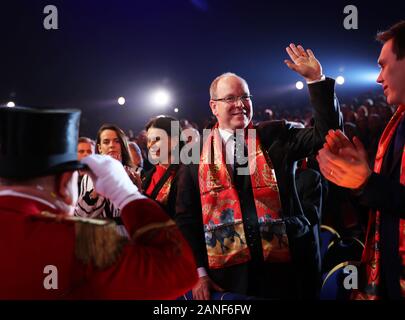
{"type": "Point", "coordinates": [221, 210]}
{"type": "Point", "coordinates": [163, 194]}
{"type": "Point", "coordinates": [371, 259]}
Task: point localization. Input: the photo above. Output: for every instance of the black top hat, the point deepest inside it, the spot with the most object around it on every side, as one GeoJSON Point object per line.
{"type": "Point", "coordinates": [38, 142]}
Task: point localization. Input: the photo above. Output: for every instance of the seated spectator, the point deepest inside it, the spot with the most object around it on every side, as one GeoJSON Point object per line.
{"type": "Point", "coordinates": [85, 147]}
{"type": "Point", "coordinates": [136, 157]}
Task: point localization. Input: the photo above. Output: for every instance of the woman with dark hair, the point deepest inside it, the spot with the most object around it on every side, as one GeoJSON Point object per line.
{"type": "Point", "coordinates": [164, 145]}
{"type": "Point", "coordinates": [111, 141]}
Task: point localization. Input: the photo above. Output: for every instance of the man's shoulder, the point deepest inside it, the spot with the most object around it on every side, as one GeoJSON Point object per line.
{"type": "Point", "coordinates": [272, 125]}
{"type": "Point", "coordinates": [271, 128]}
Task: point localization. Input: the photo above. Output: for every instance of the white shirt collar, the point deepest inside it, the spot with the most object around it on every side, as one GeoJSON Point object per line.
{"type": "Point", "coordinates": [229, 142]}
{"type": "Point", "coordinates": [226, 134]}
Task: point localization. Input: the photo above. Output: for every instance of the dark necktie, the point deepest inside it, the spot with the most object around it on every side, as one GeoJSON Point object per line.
{"type": "Point", "coordinates": [243, 186]}
{"type": "Point", "coordinates": [240, 162]}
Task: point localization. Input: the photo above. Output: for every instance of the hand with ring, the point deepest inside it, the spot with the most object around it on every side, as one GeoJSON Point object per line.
{"type": "Point", "coordinates": [346, 165]}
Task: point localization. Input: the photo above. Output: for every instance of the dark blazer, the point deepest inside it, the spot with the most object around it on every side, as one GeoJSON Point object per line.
{"type": "Point", "coordinates": [284, 145]}
{"type": "Point", "coordinates": [384, 192]}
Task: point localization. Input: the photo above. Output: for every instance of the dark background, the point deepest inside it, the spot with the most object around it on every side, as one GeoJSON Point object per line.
{"type": "Point", "coordinates": [106, 49]}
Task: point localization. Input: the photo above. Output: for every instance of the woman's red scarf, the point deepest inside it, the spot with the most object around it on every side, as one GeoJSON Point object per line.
{"type": "Point", "coordinates": [162, 173]}
{"type": "Point", "coordinates": [163, 195]}
{"type": "Point", "coordinates": [371, 259]}
{"type": "Point", "coordinates": [221, 211]}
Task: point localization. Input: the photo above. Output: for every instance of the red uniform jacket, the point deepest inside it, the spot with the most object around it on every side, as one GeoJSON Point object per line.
{"type": "Point", "coordinates": [47, 255]}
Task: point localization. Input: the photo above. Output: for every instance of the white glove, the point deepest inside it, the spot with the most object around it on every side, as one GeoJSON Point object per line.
{"type": "Point", "coordinates": [111, 181]}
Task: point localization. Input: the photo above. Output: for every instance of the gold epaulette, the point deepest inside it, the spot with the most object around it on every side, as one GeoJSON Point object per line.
{"type": "Point", "coordinates": [62, 217]}
{"type": "Point", "coordinates": [152, 227]}
{"type": "Point", "coordinates": [97, 241]}
{"type": "Point", "coordinates": [99, 244]}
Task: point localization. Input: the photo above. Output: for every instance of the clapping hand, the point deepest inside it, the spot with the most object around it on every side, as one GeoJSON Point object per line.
{"type": "Point", "coordinates": [342, 162]}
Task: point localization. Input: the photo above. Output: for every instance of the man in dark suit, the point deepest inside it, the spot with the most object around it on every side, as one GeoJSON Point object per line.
{"type": "Point", "coordinates": [248, 231]}
{"type": "Point", "coordinates": [382, 190]}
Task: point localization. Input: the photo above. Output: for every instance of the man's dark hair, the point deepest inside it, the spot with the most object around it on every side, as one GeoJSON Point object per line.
{"type": "Point", "coordinates": [397, 33]}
